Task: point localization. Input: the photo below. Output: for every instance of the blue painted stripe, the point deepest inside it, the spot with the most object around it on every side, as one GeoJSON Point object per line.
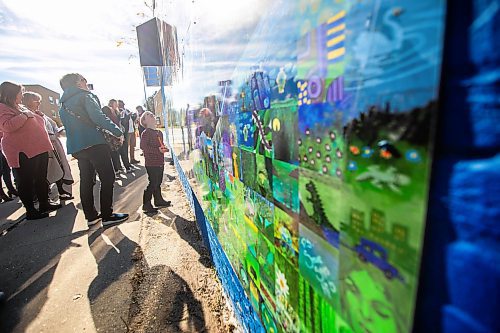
{"type": "Point", "coordinates": [245, 313]}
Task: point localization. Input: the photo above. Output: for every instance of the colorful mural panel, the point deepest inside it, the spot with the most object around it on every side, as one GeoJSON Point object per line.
{"type": "Point", "coordinates": [313, 161]}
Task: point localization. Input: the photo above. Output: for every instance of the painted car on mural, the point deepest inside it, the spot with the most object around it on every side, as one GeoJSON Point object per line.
{"type": "Point", "coordinates": [376, 254]}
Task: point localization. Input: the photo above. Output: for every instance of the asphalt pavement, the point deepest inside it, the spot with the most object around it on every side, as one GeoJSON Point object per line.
{"type": "Point", "coordinates": [58, 275]}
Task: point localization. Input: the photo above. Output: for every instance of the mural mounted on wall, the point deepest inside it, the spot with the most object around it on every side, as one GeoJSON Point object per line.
{"type": "Point", "coordinates": [313, 165]}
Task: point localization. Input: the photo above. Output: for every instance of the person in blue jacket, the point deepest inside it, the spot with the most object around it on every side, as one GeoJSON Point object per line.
{"type": "Point", "coordinates": [87, 144]}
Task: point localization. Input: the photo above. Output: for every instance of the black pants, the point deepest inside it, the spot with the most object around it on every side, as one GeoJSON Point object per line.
{"type": "Point", "coordinates": [5, 173]}
{"type": "Point", "coordinates": [32, 179]}
{"type": "Point", "coordinates": [155, 177]}
{"type": "Point", "coordinates": [124, 152]}
{"type": "Point", "coordinates": [115, 157]}
{"type": "Point", "coordinates": [92, 160]}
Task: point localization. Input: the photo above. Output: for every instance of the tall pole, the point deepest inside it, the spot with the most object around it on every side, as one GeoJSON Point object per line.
{"type": "Point", "coordinates": [144, 86]}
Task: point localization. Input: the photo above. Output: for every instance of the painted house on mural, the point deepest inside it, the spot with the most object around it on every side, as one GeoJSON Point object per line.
{"type": "Point", "coordinates": [50, 100]}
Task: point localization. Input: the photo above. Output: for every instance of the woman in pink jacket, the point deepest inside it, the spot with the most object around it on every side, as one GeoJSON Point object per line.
{"type": "Point", "coordinates": [25, 144]}
{"type": "Point", "coordinates": [5, 173]}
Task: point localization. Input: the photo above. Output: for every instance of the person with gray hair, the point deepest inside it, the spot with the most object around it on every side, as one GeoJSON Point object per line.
{"type": "Point", "coordinates": [59, 171]}
{"type": "Point", "coordinates": [25, 144]}
{"type": "Point", "coordinates": [84, 122]}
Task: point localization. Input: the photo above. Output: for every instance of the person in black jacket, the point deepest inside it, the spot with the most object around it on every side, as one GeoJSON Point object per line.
{"type": "Point", "coordinates": [125, 120]}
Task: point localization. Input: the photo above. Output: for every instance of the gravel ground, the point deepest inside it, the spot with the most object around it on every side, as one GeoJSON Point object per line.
{"type": "Point", "coordinates": [175, 287]}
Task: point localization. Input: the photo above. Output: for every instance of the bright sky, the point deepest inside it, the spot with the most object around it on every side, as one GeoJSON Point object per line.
{"type": "Point", "coordinates": [43, 40]}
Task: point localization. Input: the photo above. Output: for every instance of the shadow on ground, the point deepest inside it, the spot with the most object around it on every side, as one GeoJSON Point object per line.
{"type": "Point", "coordinates": [29, 257]}
{"type": "Point", "coordinates": [189, 232]}
{"type": "Point", "coordinates": [112, 251]}
{"type": "Point", "coordinates": [162, 301]}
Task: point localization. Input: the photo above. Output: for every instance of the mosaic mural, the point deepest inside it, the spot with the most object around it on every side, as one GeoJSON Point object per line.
{"type": "Point", "coordinates": [312, 163]}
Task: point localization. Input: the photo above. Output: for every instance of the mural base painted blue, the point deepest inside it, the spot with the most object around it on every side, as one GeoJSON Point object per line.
{"type": "Point", "coordinates": [244, 311]}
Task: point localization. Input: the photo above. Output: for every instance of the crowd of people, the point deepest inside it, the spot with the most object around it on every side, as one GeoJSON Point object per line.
{"type": "Point", "coordinates": [101, 139]}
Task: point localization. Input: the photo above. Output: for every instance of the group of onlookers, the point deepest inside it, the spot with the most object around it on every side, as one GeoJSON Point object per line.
{"type": "Point", "coordinates": [127, 121]}
{"type": "Point", "coordinates": [31, 147]}
{"type": "Point", "coordinates": [26, 146]}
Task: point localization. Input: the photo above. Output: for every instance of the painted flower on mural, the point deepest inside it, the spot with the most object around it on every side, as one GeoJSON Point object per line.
{"type": "Point", "coordinates": [413, 156]}
{"type": "Point", "coordinates": [367, 152]}
{"type": "Point", "coordinates": [385, 154]}
{"type": "Point", "coordinates": [338, 172]}
{"type": "Point", "coordinates": [281, 284]}
{"type": "Point", "coordinates": [354, 150]}
{"type": "Point", "coordinates": [352, 166]}
{"type": "Point", "coordinates": [288, 316]}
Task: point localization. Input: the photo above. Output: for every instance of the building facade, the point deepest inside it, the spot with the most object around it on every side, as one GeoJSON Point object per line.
{"type": "Point", "coordinates": [158, 108]}
{"type": "Point", "coordinates": [50, 100]}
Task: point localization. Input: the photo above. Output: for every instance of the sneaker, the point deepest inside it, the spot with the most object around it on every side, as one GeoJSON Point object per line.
{"type": "Point", "coordinates": [93, 222]}
{"type": "Point", "coordinates": [50, 208]}
{"type": "Point", "coordinates": [114, 219]}
{"type": "Point", "coordinates": [36, 215]}
{"type": "Point", "coordinates": [5, 198]}
{"type": "Point", "coordinates": [66, 196]}
{"type": "Point", "coordinates": [163, 204]}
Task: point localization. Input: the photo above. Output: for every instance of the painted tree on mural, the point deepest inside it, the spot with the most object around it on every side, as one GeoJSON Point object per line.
{"type": "Point", "coordinates": [319, 215]}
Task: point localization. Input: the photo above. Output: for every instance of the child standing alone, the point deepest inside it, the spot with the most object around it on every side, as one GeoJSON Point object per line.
{"type": "Point", "coordinates": [153, 149]}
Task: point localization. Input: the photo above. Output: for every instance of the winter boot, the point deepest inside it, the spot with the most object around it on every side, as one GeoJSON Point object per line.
{"type": "Point", "coordinates": [147, 207]}
{"type": "Point", "coordinates": [158, 199]}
